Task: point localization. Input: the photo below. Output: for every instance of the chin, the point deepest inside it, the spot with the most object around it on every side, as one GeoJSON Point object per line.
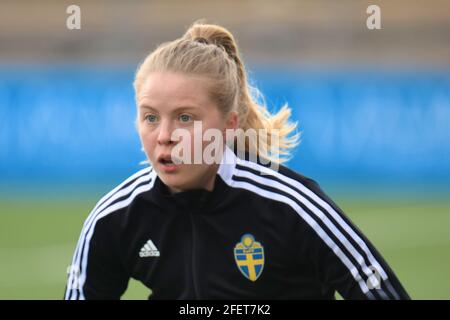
{"type": "Point", "coordinates": [174, 182]}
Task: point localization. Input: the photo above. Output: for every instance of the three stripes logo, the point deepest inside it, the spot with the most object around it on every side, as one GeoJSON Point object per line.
{"type": "Point", "coordinates": [149, 250]}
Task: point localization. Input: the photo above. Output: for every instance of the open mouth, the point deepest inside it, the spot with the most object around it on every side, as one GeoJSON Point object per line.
{"type": "Point", "coordinates": [168, 163]}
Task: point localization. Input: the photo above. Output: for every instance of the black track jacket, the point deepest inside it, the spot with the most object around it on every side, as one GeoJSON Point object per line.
{"type": "Point", "coordinates": [260, 234]}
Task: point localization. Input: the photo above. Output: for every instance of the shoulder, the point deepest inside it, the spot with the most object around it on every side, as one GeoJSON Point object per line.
{"type": "Point", "coordinates": [121, 197]}
{"type": "Point", "coordinates": [276, 178]}
{"type": "Point", "coordinates": [301, 194]}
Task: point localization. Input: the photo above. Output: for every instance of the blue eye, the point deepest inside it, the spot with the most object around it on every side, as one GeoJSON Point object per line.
{"type": "Point", "coordinates": [185, 118]}
{"type": "Point", "coordinates": [151, 118]}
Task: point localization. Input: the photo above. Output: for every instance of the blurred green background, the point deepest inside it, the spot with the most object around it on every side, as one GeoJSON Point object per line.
{"type": "Point", "coordinates": [37, 240]}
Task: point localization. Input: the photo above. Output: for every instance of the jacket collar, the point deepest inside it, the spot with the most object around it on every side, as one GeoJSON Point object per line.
{"type": "Point", "coordinates": [196, 200]}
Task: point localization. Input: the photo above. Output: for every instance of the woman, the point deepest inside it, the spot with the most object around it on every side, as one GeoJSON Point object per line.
{"type": "Point", "coordinates": [219, 218]}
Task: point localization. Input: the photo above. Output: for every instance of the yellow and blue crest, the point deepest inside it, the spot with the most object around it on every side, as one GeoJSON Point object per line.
{"type": "Point", "coordinates": [249, 257]}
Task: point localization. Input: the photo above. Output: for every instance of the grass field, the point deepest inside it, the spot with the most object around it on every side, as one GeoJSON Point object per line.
{"type": "Point", "coordinates": [38, 237]}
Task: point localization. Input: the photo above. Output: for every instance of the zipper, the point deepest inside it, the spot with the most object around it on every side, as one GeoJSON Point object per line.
{"type": "Point", "coordinates": [193, 257]}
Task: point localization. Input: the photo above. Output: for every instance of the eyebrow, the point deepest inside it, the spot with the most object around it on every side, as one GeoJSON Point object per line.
{"type": "Point", "coordinates": [182, 108]}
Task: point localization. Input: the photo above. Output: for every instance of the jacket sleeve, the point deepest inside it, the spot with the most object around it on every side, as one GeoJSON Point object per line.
{"type": "Point", "coordinates": [345, 260]}
{"type": "Point", "coordinates": [96, 271]}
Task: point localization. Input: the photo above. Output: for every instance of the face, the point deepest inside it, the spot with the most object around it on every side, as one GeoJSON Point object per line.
{"type": "Point", "coordinates": [168, 101]}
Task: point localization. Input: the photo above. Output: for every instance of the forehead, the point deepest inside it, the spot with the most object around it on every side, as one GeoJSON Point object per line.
{"type": "Point", "coordinates": [170, 90]}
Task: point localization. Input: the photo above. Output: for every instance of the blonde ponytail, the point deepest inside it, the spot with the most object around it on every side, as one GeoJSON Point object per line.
{"type": "Point", "coordinates": [212, 51]}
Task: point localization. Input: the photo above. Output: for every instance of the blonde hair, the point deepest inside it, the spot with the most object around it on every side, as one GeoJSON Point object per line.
{"type": "Point", "coordinates": [210, 50]}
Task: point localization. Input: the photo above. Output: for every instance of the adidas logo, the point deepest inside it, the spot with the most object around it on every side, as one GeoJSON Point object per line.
{"type": "Point", "coordinates": [149, 250]}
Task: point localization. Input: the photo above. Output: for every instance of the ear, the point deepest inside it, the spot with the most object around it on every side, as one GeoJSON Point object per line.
{"type": "Point", "coordinates": [232, 123]}
{"type": "Point", "coordinates": [232, 120]}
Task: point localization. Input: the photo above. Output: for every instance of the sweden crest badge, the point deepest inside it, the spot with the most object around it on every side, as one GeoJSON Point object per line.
{"type": "Point", "coordinates": [249, 257]}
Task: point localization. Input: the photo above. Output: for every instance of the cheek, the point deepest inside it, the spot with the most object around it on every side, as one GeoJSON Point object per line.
{"type": "Point", "coordinates": [186, 144]}
{"type": "Point", "coordinates": [148, 140]}
{"type": "Point", "coordinates": [218, 128]}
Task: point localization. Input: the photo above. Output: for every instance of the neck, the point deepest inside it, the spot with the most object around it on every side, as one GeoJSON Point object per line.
{"type": "Point", "coordinates": [207, 182]}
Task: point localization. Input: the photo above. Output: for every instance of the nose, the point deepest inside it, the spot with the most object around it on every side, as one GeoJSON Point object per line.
{"type": "Point", "coordinates": [165, 133]}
